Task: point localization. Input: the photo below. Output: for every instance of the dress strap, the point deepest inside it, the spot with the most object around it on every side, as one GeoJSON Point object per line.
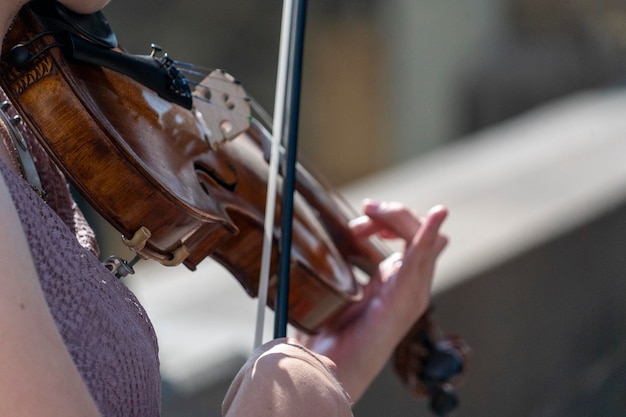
{"type": "Point", "coordinates": [14, 150]}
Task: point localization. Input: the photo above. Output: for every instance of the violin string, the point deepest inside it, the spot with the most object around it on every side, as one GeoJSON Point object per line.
{"type": "Point", "coordinates": [201, 72]}
{"type": "Point", "coordinates": [269, 208]}
{"type": "Point", "coordinates": [261, 114]}
{"type": "Point", "coordinates": [193, 68]}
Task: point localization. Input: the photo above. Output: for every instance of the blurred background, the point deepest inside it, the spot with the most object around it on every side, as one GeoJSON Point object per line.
{"type": "Point", "coordinates": [511, 112]}
{"type": "Point", "coordinates": [394, 78]}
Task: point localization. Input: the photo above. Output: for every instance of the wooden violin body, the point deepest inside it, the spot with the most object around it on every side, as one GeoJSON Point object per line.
{"type": "Point", "coordinates": [147, 164]}
{"type": "Point", "coordinates": [182, 177]}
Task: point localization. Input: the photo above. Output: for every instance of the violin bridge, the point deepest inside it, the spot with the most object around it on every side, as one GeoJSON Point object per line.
{"type": "Point", "coordinates": [221, 107]}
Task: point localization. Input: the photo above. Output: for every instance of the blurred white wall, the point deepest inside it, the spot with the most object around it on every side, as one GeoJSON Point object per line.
{"type": "Point", "coordinates": [429, 46]}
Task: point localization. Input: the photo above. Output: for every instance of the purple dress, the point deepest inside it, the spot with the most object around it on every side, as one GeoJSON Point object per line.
{"type": "Point", "coordinates": [105, 329]}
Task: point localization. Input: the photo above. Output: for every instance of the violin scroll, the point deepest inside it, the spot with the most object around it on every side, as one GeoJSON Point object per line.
{"type": "Point", "coordinates": [432, 365]}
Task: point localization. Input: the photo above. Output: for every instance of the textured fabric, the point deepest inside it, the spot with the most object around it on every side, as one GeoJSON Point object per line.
{"type": "Point", "coordinates": [107, 332]}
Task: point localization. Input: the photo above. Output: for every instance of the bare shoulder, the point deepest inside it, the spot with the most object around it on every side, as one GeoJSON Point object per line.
{"type": "Point", "coordinates": [14, 252]}
{"type": "Point", "coordinates": [33, 356]}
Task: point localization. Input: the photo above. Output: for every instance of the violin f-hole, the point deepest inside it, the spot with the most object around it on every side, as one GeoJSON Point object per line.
{"type": "Point", "coordinates": [209, 178]}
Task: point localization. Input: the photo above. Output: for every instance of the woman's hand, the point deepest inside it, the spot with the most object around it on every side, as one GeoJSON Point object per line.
{"type": "Point", "coordinates": [364, 337]}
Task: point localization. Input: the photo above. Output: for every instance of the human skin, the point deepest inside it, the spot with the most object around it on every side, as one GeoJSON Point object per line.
{"type": "Point", "coordinates": [34, 359]}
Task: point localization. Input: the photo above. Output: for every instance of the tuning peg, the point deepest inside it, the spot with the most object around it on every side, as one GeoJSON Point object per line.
{"type": "Point", "coordinates": [443, 362]}
{"type": "Point", "coordinates": [443, 399]}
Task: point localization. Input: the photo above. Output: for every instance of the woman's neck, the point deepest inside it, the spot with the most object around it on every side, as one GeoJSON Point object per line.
{"type": "Point", "coordinates": [8, 10]}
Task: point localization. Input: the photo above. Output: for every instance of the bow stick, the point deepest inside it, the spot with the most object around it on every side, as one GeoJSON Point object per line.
{"type": "Point", "coordinates": [285, 131]}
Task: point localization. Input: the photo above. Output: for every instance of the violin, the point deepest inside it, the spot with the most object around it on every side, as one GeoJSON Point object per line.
{"type": "Point", "coordinates": [181, 174]}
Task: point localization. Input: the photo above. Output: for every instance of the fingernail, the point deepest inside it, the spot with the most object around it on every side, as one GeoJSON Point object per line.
{"type": "Point", "coordinates": [356, 222]}
{"type": "Point", "coordinates": [371, 206]}
{"type": "Point", "coordinates": [438, 207]}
